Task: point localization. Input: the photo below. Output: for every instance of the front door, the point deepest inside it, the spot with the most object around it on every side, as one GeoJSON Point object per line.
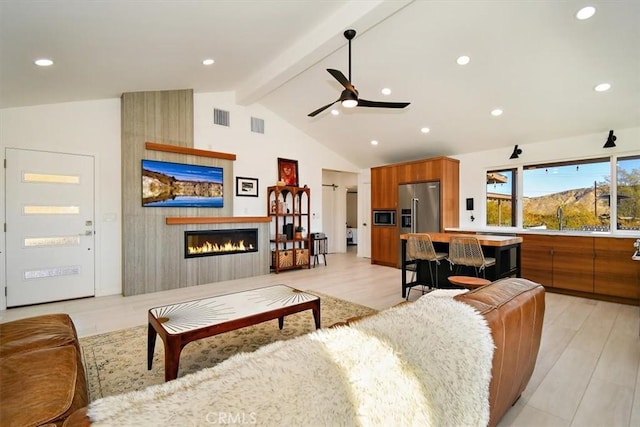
{"type": "Point", "coordinates": [49, 226]}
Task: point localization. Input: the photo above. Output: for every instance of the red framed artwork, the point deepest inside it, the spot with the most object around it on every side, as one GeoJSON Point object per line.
{"type": "Point", "coordinates": [288, 171]}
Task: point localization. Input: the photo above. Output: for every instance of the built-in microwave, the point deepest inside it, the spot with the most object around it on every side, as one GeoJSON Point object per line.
{"type": "Point", "coordinates": [384, 217]}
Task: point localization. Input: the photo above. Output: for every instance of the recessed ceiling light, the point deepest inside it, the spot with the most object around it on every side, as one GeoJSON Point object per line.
{"type": "Point", "coordinates": [585, 13]}
{"type": "Point", "coordinates": [425, 130]}
{"type": "Point", "coordinates": [335, 112]}
{"type": "Point", "coordinates": [374, 142]}
{"type": "Point", "coordinates": [602, 87]}
{"type": "Point", "coordinates": [43, 62]}
{"type": "Point", "coordinates": [208, 62]}
{"type": "Point", "coordinates": [463, 60]}
{"type": "Point", "coordinates": [497, 112]}
{"type": "Point", "coordinates": [386, 91]}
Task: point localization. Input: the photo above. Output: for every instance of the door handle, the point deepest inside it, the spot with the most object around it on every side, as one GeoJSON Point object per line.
{"type": "Point", "coordinates": [86, 233]}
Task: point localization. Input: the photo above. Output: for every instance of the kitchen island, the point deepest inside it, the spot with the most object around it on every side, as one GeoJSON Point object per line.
{"type": "Point", "coordinates": [505, 249]}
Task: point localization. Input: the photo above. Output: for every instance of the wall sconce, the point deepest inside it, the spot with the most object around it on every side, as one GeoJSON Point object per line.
{"type": "Point", "coordinates": [611, 140]}
{"type": "Point", "coordinates": [516, 152]}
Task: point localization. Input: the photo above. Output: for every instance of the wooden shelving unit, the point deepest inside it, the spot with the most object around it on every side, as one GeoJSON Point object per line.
{"type": "Point", "coordinates": [289, 208]}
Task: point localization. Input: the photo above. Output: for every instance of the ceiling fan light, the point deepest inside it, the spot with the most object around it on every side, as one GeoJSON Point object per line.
{"type": "Point", "coordinates": [348, 99]}
{"type": "Point", "coordinates": [349, 103]}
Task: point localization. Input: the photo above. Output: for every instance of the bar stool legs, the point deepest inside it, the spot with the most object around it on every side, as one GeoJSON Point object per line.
{"type": "Point", "coordinates": [420, 249]}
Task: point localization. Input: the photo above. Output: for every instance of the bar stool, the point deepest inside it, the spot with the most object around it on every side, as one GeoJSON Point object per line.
{"type": "Point", "coordinates": [466, 251]}
{"type": "Point", "coordinates": [319, 247]}
{"type": "Point", "coordinates": [420, 248]}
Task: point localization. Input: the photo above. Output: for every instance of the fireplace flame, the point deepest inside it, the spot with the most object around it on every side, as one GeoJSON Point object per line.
{"type": "Point", "coordinates": [208, 247]}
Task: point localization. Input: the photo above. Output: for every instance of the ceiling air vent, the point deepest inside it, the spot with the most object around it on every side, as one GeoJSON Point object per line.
{"type": "Point", "coordinates": [257, 125]}
{"type": "Point", "coordinates": [220, 117]}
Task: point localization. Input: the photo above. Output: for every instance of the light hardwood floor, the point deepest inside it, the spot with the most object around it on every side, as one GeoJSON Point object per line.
{"type": "Point", "coordinates": [587, 373]}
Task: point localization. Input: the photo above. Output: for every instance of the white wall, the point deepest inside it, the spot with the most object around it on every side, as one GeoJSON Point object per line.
{"type": "Point", "coordinates": [90, 128]}
{"type": "Point", "coordinates": [93, 128]}
{"type": "Point", "coordinates": [473, 166]}
{"type": "Point", "coordinates": [257, 154]}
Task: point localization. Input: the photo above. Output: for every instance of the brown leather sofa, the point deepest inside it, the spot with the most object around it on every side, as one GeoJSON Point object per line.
{"type": "Point", "coordinates": [42, 378]}
{"type": "Point", "coordinates": [514, 309]}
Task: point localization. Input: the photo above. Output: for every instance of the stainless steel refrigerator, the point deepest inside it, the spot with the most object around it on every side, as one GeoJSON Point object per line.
{"type": "Point", "coordinates": [419, 206]}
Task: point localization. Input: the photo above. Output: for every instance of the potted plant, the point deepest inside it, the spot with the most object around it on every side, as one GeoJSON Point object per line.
{"type": "Point", "coordinates": [298, 231]}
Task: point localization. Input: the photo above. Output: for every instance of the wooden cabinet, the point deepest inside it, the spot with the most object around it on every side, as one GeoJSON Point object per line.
{"type": "Point", "coordinates": [573, 263]}
{"type": "Point", "coordinates": [449, 176]}
{"type": "Point", "coordinates": [589, 266]}
{"type": "Point", "coordinates": [385, 240]}
{"type": "Point", "coordinates": [419, 171]}
{"type": "Point", "coordinates": [537, 259]}
{"type": "Point", "coordinates": [562, 262]}
{"type": "Point", "coordinates": [615, 272]}
{"type": "Point", "coordinates": [289, 209]}
{"type": "Point", "coordinates": [384, 188]}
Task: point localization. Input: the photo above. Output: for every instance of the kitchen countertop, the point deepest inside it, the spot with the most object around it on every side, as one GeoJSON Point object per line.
{"type": "Point", "coordinates": [626, 234]}
{"type": "Point", "coordinates": [485, 239]}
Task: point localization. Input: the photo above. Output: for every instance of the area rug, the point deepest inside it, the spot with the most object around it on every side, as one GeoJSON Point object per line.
{"type": "Point", "coordinates": [116, 362]}
{"type": "Point", "coordinates": [427, 363]}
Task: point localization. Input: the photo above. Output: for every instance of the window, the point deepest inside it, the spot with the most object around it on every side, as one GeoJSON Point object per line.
{"type": "Point", "coordinates": [567, 196]}
{"type": "Point", "coordinates": [501, 200]}
{"type": "Point", "coordinates": [628, 193]}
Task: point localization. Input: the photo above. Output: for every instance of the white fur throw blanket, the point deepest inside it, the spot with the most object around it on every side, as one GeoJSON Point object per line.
{"type": "Point", "coordinates": [427, 363]}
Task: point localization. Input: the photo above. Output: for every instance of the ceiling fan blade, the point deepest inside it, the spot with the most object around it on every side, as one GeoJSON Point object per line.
{"type": "Point", "coordinates": [380, 104]}
{"type": "Point", "coordinates": [321, 109]}
{"type": "Point", "coordinates": [342, 79]}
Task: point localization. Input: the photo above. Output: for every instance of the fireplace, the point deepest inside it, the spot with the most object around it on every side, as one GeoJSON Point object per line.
{"type": "Point", "coordinates": [220, 242]}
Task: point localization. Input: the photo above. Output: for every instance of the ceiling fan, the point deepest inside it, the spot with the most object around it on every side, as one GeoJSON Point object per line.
{"type": "Point", "coordinates": [349, 96]}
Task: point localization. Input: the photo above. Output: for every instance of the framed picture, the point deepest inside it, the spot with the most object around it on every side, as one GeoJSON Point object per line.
{"type": "Point", "coordinates": [288, 171]}
{"type": "Point", "coordinates": [167, 184]}
{"type": "Point", "coordinates": [246, 187]}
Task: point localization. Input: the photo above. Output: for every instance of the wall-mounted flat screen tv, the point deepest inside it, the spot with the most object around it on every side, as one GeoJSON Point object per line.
{"type": "Point", "coordinates": [166, 184]}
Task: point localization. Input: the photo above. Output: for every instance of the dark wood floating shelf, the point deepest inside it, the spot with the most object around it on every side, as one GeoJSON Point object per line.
{"type": "Point", "coordinates": [216, 220]}
{"type": "Point", "coordinates": [186, 150]}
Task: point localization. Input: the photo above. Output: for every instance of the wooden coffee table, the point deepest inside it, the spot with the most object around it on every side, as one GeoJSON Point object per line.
{"type": "Point", "coordinates": [179, 324]}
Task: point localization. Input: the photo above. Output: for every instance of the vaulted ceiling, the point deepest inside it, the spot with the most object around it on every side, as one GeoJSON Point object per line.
{"type": "Point", "coordinates": [532, 59]}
